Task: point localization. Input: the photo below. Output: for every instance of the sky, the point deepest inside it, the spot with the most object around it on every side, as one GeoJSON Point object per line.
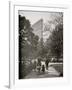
{"type": "Point", "coordinates": [34, 16]}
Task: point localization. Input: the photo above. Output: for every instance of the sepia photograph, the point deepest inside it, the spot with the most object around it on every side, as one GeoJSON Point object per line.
{"type": "Point", "coordinates": [40, 44]}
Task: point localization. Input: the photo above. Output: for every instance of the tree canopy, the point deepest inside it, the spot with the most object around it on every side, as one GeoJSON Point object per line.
{"type": "Point", "coordinates": [27, 39]}
{"type": "Point", "coordinates": [55, 42]}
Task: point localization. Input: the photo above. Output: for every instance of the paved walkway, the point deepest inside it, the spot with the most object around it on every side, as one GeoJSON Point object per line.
{"type": "Point", "coordinates": [51, 72]}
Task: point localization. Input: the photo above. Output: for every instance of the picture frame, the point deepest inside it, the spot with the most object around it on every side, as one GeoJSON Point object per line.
{"type": "Point", "coordinates": [14, 51]}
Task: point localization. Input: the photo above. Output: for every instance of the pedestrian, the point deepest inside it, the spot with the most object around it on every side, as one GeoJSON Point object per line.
{"type": "Point", "coordinates": [35, 65]}
{"type": "Point", "coordinates": [43, 68]}
{"type": "Point", "coordinates": [39, 64]}
{"type": "Point", "coordinates": [47, 63]}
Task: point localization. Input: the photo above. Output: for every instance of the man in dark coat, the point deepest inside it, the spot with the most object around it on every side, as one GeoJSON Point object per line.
{"type": "Point", "coordinates": [47, 62]}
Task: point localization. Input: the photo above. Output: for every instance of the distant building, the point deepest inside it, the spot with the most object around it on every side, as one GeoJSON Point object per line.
{"type": "Point", "coordinates": [39, 29]}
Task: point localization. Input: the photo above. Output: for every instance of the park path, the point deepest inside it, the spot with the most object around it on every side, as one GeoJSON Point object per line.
{"type": "Point", "coordinates": [51, 72]}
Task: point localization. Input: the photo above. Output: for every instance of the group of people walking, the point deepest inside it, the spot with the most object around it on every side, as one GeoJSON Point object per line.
{"type": "Point", "coordinates": [39, 66]}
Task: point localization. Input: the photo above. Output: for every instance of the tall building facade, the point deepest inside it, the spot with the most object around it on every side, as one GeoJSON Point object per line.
{"type": "Point", "coordinates": [40, 30]}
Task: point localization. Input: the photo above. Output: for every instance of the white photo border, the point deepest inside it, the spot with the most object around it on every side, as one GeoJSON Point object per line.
{"type": "Point", "coordinates": [45, 82]}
